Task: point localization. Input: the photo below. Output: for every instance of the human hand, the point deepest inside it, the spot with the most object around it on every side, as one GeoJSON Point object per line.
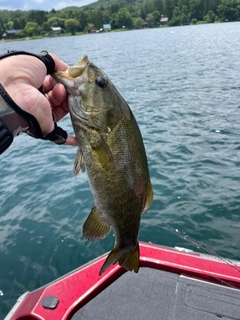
{"type": "Point", "coordinates": [22, 76]}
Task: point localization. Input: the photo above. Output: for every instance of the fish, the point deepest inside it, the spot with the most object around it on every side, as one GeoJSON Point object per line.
{"type": "Point", "coordinates": [111, 150]}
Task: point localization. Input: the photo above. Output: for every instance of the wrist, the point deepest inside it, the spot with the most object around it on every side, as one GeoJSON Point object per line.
{"type": "Point", "coordinates": [11, 123]}
{"type": "Point", "coordinates": [14, 121]}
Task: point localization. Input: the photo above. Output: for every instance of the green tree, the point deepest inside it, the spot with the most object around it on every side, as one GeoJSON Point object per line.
{"type": "Point", "coordinates": [157, 16]}
{"type": "Point", "coordinates": [210, 5]}
{"type": "Point", "coordinates": [32, 29]}
{"type": "Point", "coordinates": [196, 9]}
{"type": "Point", "coordinates": [45, 26]}
{"type": "Point", "coordinates": [183, 3]}
{"type": "Point", "coordinates": [53, 21]}
{"type": "Point", "coordinates": [95, 17]}
{"type": "Point", "coordinates": [158, 5]}
{"type": "Point", "coordinates": [229, 10]}
{"type": "Point", "coordinates": [38, 16]}
{"type": "Point", "coordinates": [139, 23]}
{"type": "Point", "coordinates": [176, 18]}
{"type": "Point", "coordinates": [21, 33]}
{"type": "Point", "coordinates": [10, 25]}
{"type": "Point", "coordinates": [89, 26]}
{"type": "Point", "coordinates": [53, 11]}
{"type": "Point", "coordinates": [150, 20]}
{"type": "Point", "coordinates": [124, 18]}
{"type": "Point", "coordinates": [142, 13]}
{"type": "Point", "coordinates": [185, 15]}
{"type": "Point", "coordinates": [71, 25]}
{"type": "Point", "coordinates": [209, 17]}
{"type": "Point", "coordinates": [149, 6]}
{"type": "Point", "coordinates": [113, 21]}
{"type": "Point", "coordinates": [167, 8]}
{"type": "Point", "coordinates": [106, 16]}
{"type": "Point", "coordinates": [114, 8]}
{"type": "Point", "coordinates": [194, 21]}
{"type": "Point", "coordinates": [82, 20]}
{"type": "Point", "coordinates": [56, 22]}
{"type": "Point", "coordinates": [19, 17]}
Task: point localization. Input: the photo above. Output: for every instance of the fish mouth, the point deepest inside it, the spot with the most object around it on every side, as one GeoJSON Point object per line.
{"type": "Point", "coordinates": [72, 80]}
{"type": "Point", "coordinates": [78, 69]}
{"type": "Point", "coordinates": [69, 77]}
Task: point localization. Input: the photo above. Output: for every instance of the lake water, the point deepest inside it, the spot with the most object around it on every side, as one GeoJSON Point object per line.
{"type": "Point", "coordinates": [183, 87]}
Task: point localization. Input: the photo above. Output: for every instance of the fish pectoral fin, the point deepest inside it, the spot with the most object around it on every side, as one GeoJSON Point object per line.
{"type": "Point", "coordinates": [149, 196]}
{"type": "Point", "coordinates": [95, 227]}
{"type": "Point", "coordinates": [102, 153]}
{"type": "Point", "coordinates": [79, 164]}
{"type": "Point", "coordinates": [129, 260]}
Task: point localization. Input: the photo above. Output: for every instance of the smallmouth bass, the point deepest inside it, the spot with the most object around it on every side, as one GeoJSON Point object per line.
{"type": "Point", "coordinates": [112, 152]}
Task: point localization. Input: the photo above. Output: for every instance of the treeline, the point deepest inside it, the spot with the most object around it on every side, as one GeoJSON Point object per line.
{"type": "Point", "coordinates": [128, 14]}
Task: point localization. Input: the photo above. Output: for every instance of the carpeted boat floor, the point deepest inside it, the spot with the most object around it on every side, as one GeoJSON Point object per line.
{"type": "Point", "coordinates": [153, 294]}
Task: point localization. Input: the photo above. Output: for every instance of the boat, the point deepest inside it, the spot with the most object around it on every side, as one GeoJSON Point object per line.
{"type": "Point", "coordinates": [172, 284]}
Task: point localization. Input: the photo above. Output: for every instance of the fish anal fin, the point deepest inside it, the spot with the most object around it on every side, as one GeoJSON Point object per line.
{"type": "Point", "coordinates": [128, 260]}
{"type": "Point", "coordinates": [95, 227]}
{"type": "Point", "coordinates": [79, 164]}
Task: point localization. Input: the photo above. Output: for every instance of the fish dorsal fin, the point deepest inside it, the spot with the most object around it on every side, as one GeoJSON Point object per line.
{"type": "Point", "coordinates": [95, 227]}
{"type": "Point", "coordinates": [79, 165]}
{"type": "Point", "coordinates": [149, 196]}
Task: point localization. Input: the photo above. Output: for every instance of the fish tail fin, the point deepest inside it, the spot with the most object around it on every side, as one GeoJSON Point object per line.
{"type": "Point", "coordinates": [128, 260]}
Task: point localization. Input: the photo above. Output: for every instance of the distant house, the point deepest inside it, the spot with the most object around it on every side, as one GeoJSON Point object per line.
{"type": "Point", "coordinates": [163, 21]}
{"type": "Point", "coordinates": [107, 27]}
{"type": "Point", "coordinates": [55, 31]}
{"type": "Point", "coordinates": [10, 34]}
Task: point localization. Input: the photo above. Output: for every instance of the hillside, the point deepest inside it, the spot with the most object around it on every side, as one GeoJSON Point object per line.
{"type": "Point", "coordinates": [127, 14]}
{"type": "Point", "coordinates": [108, 3]}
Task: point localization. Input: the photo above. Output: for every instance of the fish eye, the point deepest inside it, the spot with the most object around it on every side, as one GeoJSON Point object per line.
{"type": "Point", "coordinates": [101, 82]}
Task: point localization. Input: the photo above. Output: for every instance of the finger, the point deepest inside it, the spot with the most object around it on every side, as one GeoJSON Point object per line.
{"type": "Point", "coordinates": [58, 100]}
{"type": "Point", "coordinates": [60, 111]}
{"type": "Point", "coordinates": [71, 141]}
{"type": "Point", "coordinates": [59, 64]}
{"type": "Point", "coordinates": [57, 95]}
{"type": "Point", "coordinates": [49, 83]}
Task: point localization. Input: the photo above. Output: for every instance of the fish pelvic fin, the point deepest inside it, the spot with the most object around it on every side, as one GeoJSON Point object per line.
{"type": "Point", "coordinates": [128, 260]}
{"type": "Point", "coordinates": [79, 164]}
{"type": "Point", "coordinates": [95, 227]}
{"type": "Point", "coordinates": [149, 196]}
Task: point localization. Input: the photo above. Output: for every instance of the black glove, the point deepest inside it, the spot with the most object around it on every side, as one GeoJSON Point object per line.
{"type": "Point", "coordinates": [14, 120]}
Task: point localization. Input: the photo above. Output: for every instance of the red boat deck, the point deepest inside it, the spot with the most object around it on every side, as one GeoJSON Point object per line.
{"type": "Point", "coordinates": [171, 284]}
